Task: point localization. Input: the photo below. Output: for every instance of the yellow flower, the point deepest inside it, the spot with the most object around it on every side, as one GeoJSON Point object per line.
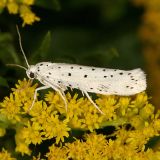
{"type": "Point", "coordinates": [147, 111]}
{"type": "Point", "coordinates": [23, 148]}
{"type": "Point", "coordinates": [109, 106]}
{"type": "Point", "coordinates": [21, 7]}
{"type": "Point", "coordinates": [32, 133]}
{"type": "Point", "coordinates": [95, 146]}
{"type": "Point", "coordinates": [4, 155]}
{"type": "Point", "coordinates": [56, 153]}
{"type": "Point", "coordinates": [92, 148]}
{"type": "Point", "coordinates": [12, 7]}
{"type": "Point", "coordinates": [28, 2]}
{"type": "Point", "coordinates": [140, 100]}
{"type": "Point", "coordinates": [24, 91]}
{"type": "Point", "coordinates": [10, 107]}
{"type": "Point", "coordinates": [76, 150]}
{"type": "Point", "coordinates": [156, 124]}
{"type": "Point", "coordinates": [123, 104]}
{"type": "Point", "coordinates": [27, 15]}
{"type": "Point", "coordinates": [24, 85]}
{"type": "Point", "coordinates": [2, 4]}
{"type": "Point", "coordinates": [53, 127]}
{"type": "Point", "coordinates": [2, 132]}
{"type": "Point", "coordinates": [137, 121]}
{"type": "Point", "coordinates": [54, 99]}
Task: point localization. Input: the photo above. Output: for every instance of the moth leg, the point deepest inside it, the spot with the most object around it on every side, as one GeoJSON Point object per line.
{"type": "Point", "coordinates": [35, 94]}
{"type": "Point", "coordinates": [61, 93]}
{"type": "Point", "coordinates": [82, 93]}
{"type": "Point", "coordinates": [87, 95]}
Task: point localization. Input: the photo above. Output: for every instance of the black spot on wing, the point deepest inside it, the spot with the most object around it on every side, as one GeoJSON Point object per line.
{"type": "Point", "coordinates": [69, 74]}
{"type": "Point", "coordinates": [85, 76]}
{"type": "Point", "coordinates": [130, 87]}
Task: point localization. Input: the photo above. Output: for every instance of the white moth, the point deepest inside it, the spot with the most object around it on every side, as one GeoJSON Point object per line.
{"type": "Point", "coordinates": [104, 81]}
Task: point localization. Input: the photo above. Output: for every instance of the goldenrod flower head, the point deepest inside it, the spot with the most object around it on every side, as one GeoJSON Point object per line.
{"type": "Point", "coordinates": [28, 2]}
{"type": "Point", "coordinates": [147, 111]}
{"type": "Point", "coordinates": [12, 7]}
{"type": "Point", "coordinates": [27, 15]}
{"type": "Point", "coordinates": [76, 149]}
{"type": "Point", "coordinates": [58, 153]}
{"type": "Point", "coordinates": [2, 132]}
{"type": "Point", "coordinates": [32, 133]}
{"type": "Point", "coordinates": [23, 148]}
{"type": "Point", "coordinates": [4, 155]}
{"type": "Point", "coordinates": [140, 100]}
{"type": "Point", "coordinates": [137, 121]}
{"type": "Point", "coordinates": [10, 107]}
{"type": "Point", "coordinates": [22, 7]}
{"type": "Point", "coordinates": [2, 4]}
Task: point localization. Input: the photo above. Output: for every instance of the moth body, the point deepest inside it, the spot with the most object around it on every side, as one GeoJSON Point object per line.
{"type": "Point", "coordinates": [91, 79]}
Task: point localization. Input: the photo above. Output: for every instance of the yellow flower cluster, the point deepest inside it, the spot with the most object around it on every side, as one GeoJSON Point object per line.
{"type": "Point", "coordinates": [96, 147]}
{"type": "Point", "coordinates": [4, 155]}
{"type": "Point", "coordinates": [48, 119]}
{"type": "Point", "coordinates": [21, 7]}
{"type": "Point", "coordinates": [149, 34]}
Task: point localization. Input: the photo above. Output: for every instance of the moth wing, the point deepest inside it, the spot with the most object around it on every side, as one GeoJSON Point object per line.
{"type": "Point", "coordinates": [96, 80]}
{"type": "Point", "coordinates": [128, 83]}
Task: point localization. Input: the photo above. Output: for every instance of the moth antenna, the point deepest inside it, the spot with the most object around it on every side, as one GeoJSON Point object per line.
{"type": "Point", "coordinates": [17, 65]}
{"type": "Point", "coordinates": [20, 43]}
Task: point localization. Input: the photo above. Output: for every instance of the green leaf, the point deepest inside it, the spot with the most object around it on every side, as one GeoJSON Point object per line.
{"type": "Point", "coordinates": [51, 4]}
{"type": "Point", "coordinates": [3, 82]}
{"type": "Point", "coordinates": [7, 50]}
{"type": "Point", "coordinates": [44, 47]}
{"type": "Point", "coordinates": [1, 10]}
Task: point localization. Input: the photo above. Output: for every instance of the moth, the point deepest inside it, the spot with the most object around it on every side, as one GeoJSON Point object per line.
{"type": "Point", "coordinates": [60, 76]}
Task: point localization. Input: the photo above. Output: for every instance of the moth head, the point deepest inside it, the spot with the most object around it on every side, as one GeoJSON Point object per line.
{"type": "Point", "coordinates": [31, 72]}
